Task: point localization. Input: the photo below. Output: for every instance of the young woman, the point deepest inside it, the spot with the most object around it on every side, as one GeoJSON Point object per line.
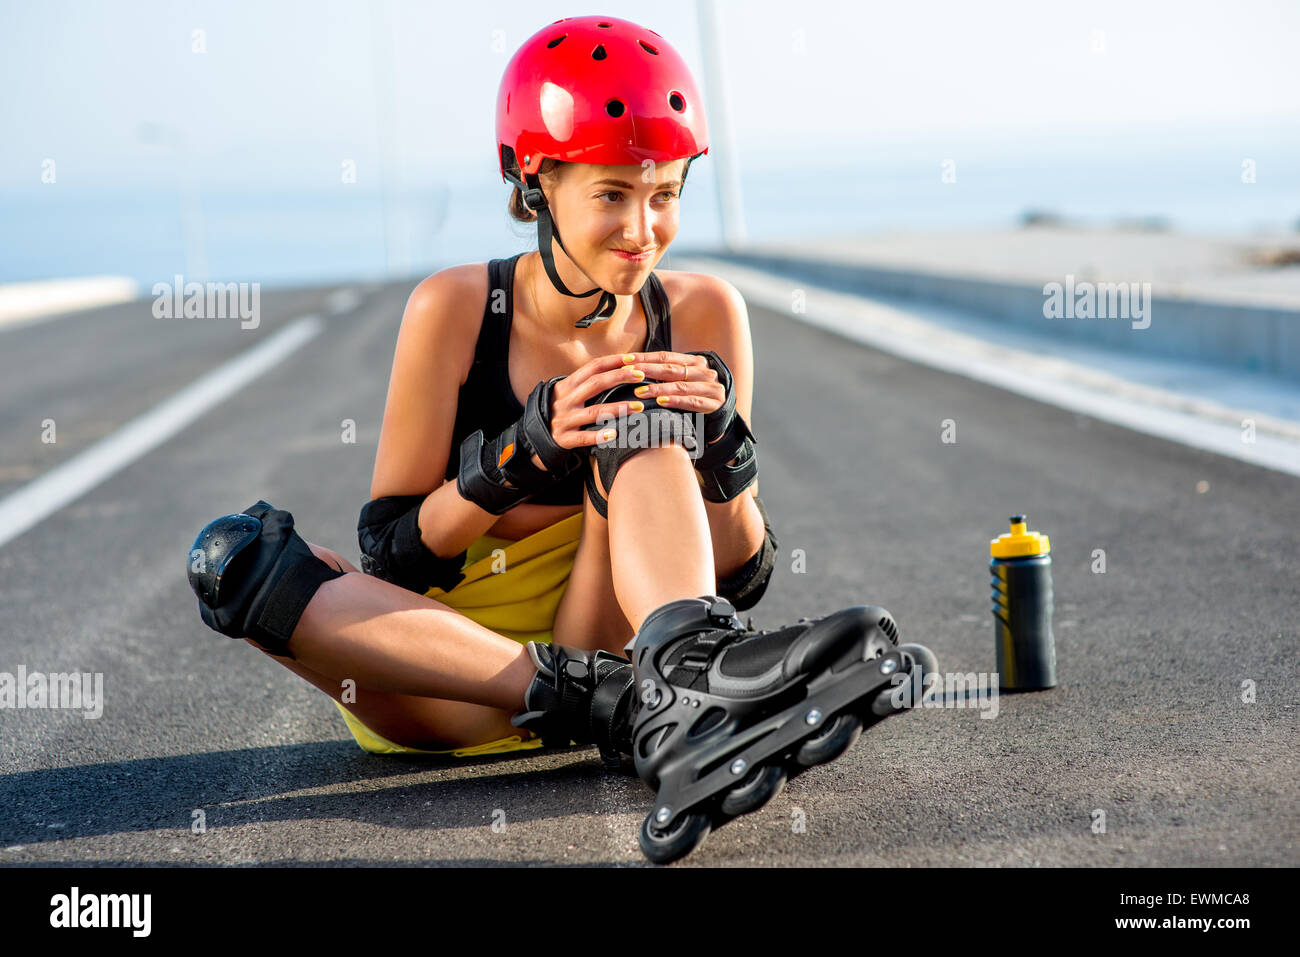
{"type": "Point", "coordinates": [496, 525]}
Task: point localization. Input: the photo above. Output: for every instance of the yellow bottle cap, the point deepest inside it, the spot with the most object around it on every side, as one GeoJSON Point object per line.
{"type": "Point", "coordinates": [1018, 542]}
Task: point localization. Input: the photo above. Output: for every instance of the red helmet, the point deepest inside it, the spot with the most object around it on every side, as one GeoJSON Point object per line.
{"type": "Point", "coordinates": [597, 90]}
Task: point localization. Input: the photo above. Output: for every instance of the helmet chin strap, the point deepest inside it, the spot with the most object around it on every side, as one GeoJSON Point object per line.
{"type": "Point", "coordinates": [535, 200]}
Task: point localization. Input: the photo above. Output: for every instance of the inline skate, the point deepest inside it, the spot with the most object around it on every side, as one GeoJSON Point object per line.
{"type": "Point", "coordinates": [726, 715]}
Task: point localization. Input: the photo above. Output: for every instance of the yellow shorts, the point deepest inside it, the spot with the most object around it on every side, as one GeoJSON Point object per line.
{"type": "Point", "coordinates": [514, 592]}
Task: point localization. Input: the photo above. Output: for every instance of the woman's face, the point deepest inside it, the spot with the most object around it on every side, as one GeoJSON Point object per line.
{"type": "Point", "coordinates": [601, 210]}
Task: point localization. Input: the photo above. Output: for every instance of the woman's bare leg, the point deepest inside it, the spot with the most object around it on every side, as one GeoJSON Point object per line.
{"type": "Point", "coordinates": [432, 724]}
{"type": "Point", "coordinates": [589, 615]}
{"type": "Point", "coordinates": [425, 675]}
{"type": "Point", "coordinates": [659, 537]}
{"type": "Point", "coordinates": [661, 503]}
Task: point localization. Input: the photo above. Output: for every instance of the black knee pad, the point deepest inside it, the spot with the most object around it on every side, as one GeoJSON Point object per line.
{"type": "Point", "coordinates": [254, 575]}
{"type": "Point", "coordinates": [746, 587]}
{"type": "Point", "coordinates": [653, 427]}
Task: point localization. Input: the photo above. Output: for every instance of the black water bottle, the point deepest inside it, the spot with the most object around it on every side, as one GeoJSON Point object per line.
{"type": "Point", "coordinates": [1021, 572]}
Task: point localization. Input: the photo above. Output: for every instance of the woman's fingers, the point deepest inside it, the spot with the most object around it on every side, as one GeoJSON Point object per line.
{"type": "Point", "coordinates": [605, 372]}
{"type": "Point", "coordinates": [581, 378]}
{"type": "Point", "coordinates": [685, 383]}
{"type": "Point", "coordinates": [574, 436]}
{"type": "Point", "coordinates": [607, 380]}
{"type": "Point", "coordinates": [603, 377]}
{"type": "Point", "coordinates": [693, 395]}
{"type": "Point", "coordinates": [575, 422]}
{"type": "Point", "coordinates": [691, 401]}
{"type": "Point", "coordinates": [671, 366]}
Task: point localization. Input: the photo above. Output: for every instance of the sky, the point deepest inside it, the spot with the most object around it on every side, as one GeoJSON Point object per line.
{"type": "Point", "coordinates": [282, 92]}
{"type": "Point", "coordinates": [127, 122]}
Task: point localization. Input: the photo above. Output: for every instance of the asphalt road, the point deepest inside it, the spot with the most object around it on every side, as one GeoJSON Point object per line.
{"type": "Point", "coordinates": [1148, 724]}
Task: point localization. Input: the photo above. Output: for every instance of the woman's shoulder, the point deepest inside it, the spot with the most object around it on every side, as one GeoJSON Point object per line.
{"type": "Point", "coordinates": [445, 310]}
{"type": "Point", "coordinates": [698, 297]}
{"type": "Point", "coordinates": [450, 290]}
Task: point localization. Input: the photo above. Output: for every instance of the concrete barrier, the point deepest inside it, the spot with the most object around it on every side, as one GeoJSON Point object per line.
{"type": "Point", "coordinates": [22, 302]}
{"type": "Point", "coordinates": [1261, 339]}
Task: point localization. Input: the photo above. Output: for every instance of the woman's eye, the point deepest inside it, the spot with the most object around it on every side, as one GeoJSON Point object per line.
{"type": "Point", "coordinates": [668, 193]}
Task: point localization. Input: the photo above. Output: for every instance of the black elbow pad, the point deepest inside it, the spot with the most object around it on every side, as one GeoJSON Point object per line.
{"type": "Point", "coordinates": [389, 534]}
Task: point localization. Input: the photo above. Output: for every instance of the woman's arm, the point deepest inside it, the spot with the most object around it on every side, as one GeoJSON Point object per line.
{"type": "Point", "coordinates": [435, 348]}
{"type": "Point", "coordinates": [719, 321]}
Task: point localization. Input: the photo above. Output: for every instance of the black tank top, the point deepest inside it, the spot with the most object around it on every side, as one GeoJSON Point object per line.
{"type": "Point", "coordinates": [486, 401]}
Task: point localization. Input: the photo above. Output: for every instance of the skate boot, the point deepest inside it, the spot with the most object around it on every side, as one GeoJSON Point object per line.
{"type": "Point", "coordinates": [726, 715]}
{"type": "Point", "coordinates": [580, 697]}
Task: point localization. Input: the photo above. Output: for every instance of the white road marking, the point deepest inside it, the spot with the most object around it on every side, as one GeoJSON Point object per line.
{"type": "Point", "coordinates": [45, 495]}
{"type": "Point", "coordinates": [342, 300]}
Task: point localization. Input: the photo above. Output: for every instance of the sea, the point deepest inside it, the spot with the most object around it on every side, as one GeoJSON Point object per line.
{"type": "Point", "coordinates": [286, 236]}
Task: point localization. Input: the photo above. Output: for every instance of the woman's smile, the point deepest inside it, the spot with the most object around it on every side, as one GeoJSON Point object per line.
{"type": "Point", "coordinates": [633, 257]}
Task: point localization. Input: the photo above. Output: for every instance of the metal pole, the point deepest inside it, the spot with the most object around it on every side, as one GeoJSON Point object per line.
{"type": "Point", "coordinates": [722, 147]}
{"type": "Point", "coordinates": [193, 229]}
{"type": "Point", "coordinates": [381, 58]}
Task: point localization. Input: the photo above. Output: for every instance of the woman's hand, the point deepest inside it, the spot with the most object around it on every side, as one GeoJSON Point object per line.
{"type": "Point", "coordinates": [702, 383]}
{"type": "Point", "coordinates": [687, 384]}
{"type": "Point", "coordinates": [686, 381]}
{"type": "Point", "coordinates": [547, 442]}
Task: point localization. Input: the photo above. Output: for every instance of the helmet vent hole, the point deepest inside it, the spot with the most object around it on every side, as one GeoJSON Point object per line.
{"type": "Point", "coordinates": [676, 101]}
{"type": "Point", "coordinates": [599, 53]}
{"type": "Point", "coordinates": [605, 25]}
{"type": "Point", "coordinates": [648, 48]}
{"type": "Point", "coordinates": [556, 42]}
{"type": "Point", "coordinates": [614, 108]}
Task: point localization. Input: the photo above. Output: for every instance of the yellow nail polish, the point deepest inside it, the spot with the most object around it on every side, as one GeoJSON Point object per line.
{"type": "Point", "coordinates": [607, 434]}
{"type": "Point", "coordinates": [642, 390]}
{"type": "Point", "coordinates": [628, 357]}
{"type": "Point", "coordinates": [636, 406]}
{"type": "Point", "coordinates": [638, 374]}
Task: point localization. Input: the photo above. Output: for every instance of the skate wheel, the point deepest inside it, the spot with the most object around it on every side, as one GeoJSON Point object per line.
{"type": "Point", "coordinates": [923, 662]}
{"type": "Point", "coordinates": [665, 846]}
{"type": "Point", "coordinates": [759, 787]}
{"type": "Point", "coordinates": [835, 737]}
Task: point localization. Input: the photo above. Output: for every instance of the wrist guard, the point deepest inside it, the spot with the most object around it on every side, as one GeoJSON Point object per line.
{"type": "Point", "coordinates": [499, 473]}
{"type": "Point", "coordinates": [726, 436]}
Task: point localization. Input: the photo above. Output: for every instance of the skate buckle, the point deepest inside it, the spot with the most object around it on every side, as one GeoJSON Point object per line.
{"type": "Point", "coordinates": [722, 611]}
